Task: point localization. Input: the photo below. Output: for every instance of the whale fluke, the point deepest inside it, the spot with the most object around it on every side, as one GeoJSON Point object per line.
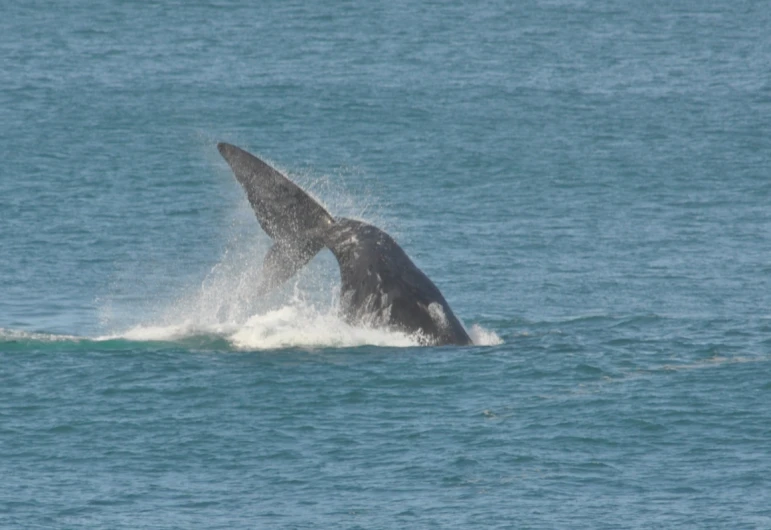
{"type": "Point", "coordinates": [380, 285]}
{"type": "Point", "coordinates": [287, 214]}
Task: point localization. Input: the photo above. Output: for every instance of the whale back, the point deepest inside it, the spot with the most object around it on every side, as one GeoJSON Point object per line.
{"type": "Point", "coordinates": [382, 287]}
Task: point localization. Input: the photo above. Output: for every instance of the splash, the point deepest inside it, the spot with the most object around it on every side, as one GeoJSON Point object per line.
{"type": "Point", "coordinates": [483, 337]}
{"type": "Point", "coordinates": [302, 314]}
{"type": "Point", "coordinates": [301, 326]}
{"type": "Point", "coordinates": [225, 306]}
{"type": "Point", "coordinates": [295, 325]}
{"type": "Point", "coordinates": [298, 323]}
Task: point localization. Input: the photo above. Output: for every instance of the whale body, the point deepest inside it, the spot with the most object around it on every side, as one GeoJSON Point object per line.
{"type": "Point", "coordinates": [380, 286]}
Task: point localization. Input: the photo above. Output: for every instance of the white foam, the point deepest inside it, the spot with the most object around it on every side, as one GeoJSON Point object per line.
{"type": "Point", "coordinates": [302, 326]}
{"type": "Point", "coordinates": [484, 337]}
{"type": "Point", "coordinates": [303, 315]}
{"type": "Point", "coordinates": [161, 333]}
{"type": "Point", "coordinates": [291, 326]}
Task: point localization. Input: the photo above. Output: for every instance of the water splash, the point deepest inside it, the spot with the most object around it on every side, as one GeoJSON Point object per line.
{"type": "Point", "coordinates": [303, 326]}
{"type": "Point", "coordinates": [296, 324]}
{"type": "Point", "coordinates": [302, 314]}
{"type": "Point", "coordinates": [483, 337]}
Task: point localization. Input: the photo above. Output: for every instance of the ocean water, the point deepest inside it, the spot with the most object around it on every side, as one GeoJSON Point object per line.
{"type": "Point", "coordinates": [588, 183]}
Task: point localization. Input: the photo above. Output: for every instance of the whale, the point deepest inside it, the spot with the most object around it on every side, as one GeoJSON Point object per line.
{"type": "Point", "coordinates": [380, 286]}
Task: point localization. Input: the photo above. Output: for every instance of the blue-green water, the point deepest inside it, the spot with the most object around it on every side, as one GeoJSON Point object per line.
{"type": "Point", "coordinates": [589, 183]}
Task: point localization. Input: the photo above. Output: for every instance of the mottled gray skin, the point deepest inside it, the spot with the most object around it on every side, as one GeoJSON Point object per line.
{"type": "Point", "coordinates": [380, 285]}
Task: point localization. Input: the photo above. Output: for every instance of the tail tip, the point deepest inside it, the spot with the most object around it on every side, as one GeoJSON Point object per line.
{"type": "Point", "coordinates": [224, 148]}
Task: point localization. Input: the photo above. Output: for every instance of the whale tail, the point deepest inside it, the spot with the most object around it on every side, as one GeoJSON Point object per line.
{"type": "Point", "coordinates": [291, 217]}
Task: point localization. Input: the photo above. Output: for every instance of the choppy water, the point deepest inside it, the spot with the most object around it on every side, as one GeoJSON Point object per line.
{"type": "Point", "coordinates": [587, 182]}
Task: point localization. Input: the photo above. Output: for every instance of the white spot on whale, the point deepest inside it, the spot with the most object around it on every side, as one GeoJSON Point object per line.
{"type": "Point", "coordinates": [437, 314]}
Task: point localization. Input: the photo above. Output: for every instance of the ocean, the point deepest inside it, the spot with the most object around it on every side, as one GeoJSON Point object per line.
{"type": "Point", "coordinates": [588, 183]}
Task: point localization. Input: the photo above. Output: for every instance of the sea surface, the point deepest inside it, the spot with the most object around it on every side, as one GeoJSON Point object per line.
{"type": "Point", "coordinates": [587, 182]}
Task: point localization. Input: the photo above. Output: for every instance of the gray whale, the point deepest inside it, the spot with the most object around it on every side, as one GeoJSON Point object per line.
{"type": "Point", "coordinates": [380, 285]}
